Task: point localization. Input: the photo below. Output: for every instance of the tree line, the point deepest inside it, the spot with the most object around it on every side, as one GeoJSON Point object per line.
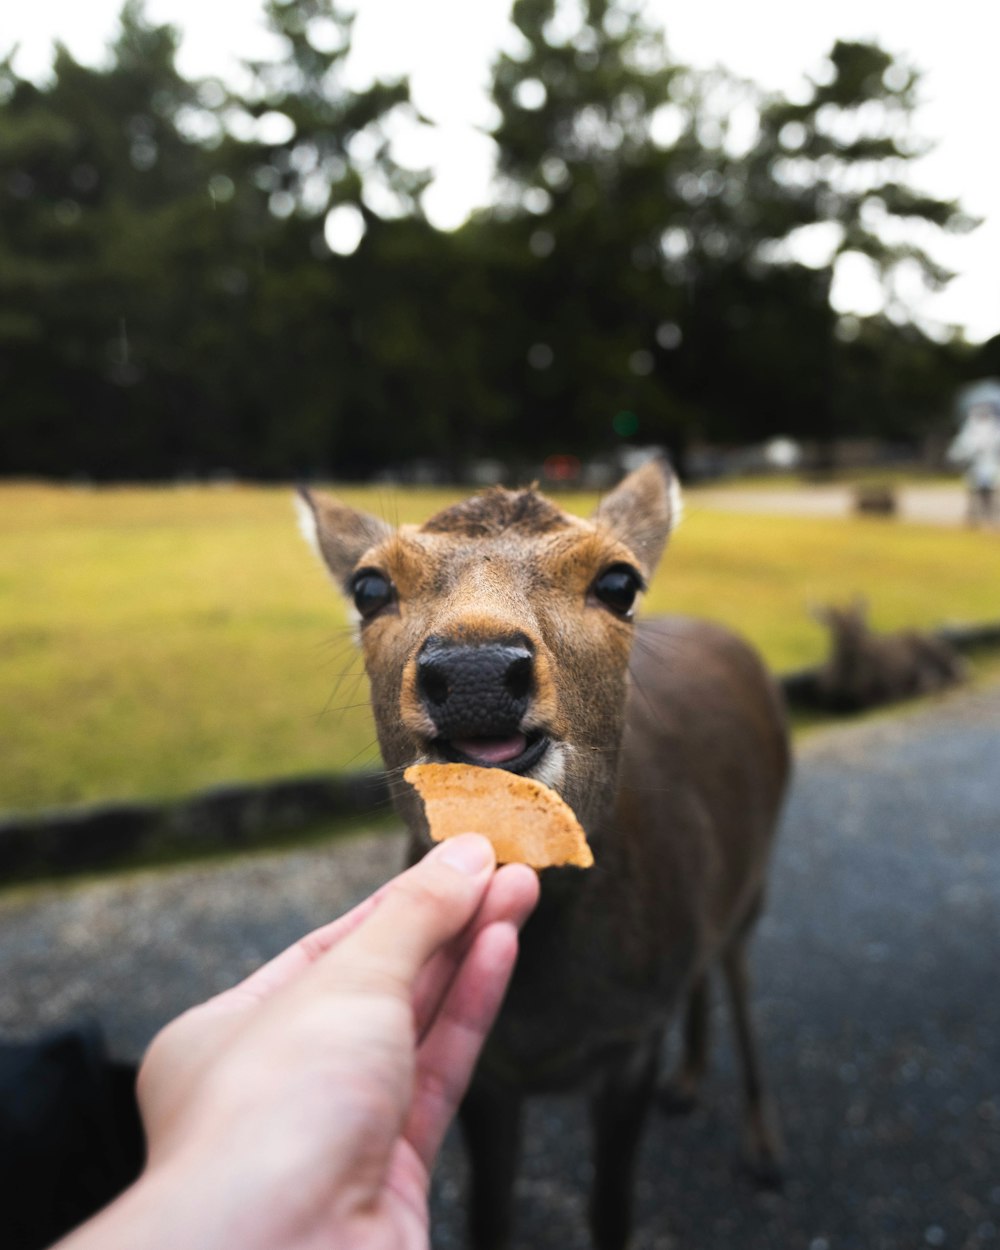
{"type": "Point", "coordinates": [179, 294]}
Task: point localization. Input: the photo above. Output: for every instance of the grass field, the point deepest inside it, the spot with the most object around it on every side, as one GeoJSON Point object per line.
{"type": "Point", "coordinates": [154, 641]}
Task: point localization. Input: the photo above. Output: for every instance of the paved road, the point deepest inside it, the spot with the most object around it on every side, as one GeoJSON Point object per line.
{"type": "Point", "coordinates": [924, 505]}
{"type": "Point", "coordinates": [878, 1001]}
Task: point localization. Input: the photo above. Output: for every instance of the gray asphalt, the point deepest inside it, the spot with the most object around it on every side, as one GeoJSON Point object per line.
{"type": "Point", "coordinates": [877, 998]}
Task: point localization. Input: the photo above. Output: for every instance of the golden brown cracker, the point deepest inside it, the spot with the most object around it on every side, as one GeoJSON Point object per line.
{"type": "Point", "coordinates": [527, 822]}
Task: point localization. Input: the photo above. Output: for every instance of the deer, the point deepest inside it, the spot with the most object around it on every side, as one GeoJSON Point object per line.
{"type": "Point", "coordinates": [503, 633]}
{"type": "Point", "coordinates": [866, 669]}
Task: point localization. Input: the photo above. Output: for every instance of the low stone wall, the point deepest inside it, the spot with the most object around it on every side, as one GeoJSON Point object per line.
{"type": "Point", "coordinates": [83, 839]}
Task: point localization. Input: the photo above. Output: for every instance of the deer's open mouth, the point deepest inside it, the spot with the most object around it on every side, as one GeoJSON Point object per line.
{"type": "Point", "coordinates": [518, 752]}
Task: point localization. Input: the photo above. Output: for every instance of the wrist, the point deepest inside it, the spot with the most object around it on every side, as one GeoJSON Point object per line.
{"type": "Point", "coordinates": [202, 1200]}
{"type": "Point", "coordinates": [137, 1217]}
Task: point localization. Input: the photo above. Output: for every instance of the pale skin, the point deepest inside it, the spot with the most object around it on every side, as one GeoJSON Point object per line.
{"type": "Point", "coordinates": [304, 1108]}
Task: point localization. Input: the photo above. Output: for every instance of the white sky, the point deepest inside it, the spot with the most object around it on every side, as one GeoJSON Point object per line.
{"type": "Point", "coordinates": [446, 46]}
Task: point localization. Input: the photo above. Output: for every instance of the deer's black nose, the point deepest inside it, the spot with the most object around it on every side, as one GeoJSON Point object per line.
{"type": "Point", "coordinates": [475, 690]}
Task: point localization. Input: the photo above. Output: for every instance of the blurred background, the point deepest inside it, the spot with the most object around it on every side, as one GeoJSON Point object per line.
{"type": "Point", "coordinates": [408, 250]}
{"type": "Point", "coordinates": [275, 269]}
{"type": "Point", "coordinates": [419, 250]}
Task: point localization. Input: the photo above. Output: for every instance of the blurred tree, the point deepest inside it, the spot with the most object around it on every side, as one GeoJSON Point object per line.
{"type": "Point", "coordinates": [671, 214]}
{"type": "Point", "coordinates": [122, 254]}
{"type": "Point", "coordinates": [321, 153]}
{"type": "Point", "coordinates": [168, 303]}
{"type": "Point", "coordinates": [195, 279]}
{"type": "Point", "coordinates": [584, 197]}
{"type": "Point", "coordinates": [826, 178]}
{"type": "Point", "coordinates": [892, 383]}
{"type": "Point", "coordinates": [330, 143]}
{"type": "Point", "coordinates": [985, 360]}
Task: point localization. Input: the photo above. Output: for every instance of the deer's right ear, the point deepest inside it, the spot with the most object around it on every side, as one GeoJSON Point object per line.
{"type": "Point", "coordinates": [339, 535]}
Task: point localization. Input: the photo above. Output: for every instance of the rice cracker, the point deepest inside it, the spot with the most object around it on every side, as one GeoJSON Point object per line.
{"type": "Point", "coordinates": [526, 821]}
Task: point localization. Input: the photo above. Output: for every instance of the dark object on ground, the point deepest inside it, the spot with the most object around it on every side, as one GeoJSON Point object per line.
{"type": "Point", "coordinates": [866, 669]}
{"type": "Point", "coordinates": [70, 1135]}
{"type": "Point", "coordinates": [875, 501]}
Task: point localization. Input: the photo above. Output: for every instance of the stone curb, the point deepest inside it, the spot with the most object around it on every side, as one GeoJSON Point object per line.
{"type": "Point", "coordinates": [65, 841]}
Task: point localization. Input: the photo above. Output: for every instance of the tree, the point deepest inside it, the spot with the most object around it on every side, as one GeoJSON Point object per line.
{"type": "Point", "coordinates": [111, 239]}
{"type": "Point", "coordinates": [584, 197]}
{"type": "Point", "coordinates": [834, 168]}
{"type": "Point", "coordinates": [167, 302]}
{"type": "Point", "coordinates": [667, 211]}
{"type": "Point", "coordinates": [337, 145]}
{"type": "Point", "coordinates": [176, 296]}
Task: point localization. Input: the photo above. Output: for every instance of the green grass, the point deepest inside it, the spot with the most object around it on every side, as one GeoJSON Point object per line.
{"type": "Point", "coordinates": [155, 641]}
{"type": "Point", "coordinates": [761, 574]}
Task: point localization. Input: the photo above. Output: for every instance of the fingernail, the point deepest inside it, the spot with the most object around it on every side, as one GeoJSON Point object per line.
{"type": "Point", "coordinates": [469, 853]}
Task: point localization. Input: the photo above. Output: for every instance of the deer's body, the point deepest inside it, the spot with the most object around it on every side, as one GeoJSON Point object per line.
{"type": "Point", "coordinates": [679, 865]}
{"type": "Point", "coordinates": [506, 638]}
{"type": "Point", "coordinates": [866, 669]}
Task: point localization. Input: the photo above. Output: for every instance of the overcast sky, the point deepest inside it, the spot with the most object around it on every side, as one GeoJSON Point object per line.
{"type": "Point", "coordinates": [446, 46]}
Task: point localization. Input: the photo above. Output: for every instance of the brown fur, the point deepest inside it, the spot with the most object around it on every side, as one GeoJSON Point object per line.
{"type": "Point", "coordinates": [669, 743]}
{"type": "Point", "coordinates": [495, 511]}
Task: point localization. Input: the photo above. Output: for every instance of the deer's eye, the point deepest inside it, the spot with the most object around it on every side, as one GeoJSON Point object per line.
{"type": "Point", "coordinates": [372, 592]}
{"type": "Point", "coordinates": [617, 588]}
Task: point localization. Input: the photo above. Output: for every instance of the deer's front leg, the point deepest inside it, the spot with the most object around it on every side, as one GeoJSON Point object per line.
{"type": "Point", "coordinates": [619, 1112]}
{"type": "Point", "coordinates": [491, 1119]}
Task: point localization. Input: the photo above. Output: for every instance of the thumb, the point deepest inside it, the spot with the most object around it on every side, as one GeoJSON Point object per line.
{"type": "Point", "coordinates": [419, 913]}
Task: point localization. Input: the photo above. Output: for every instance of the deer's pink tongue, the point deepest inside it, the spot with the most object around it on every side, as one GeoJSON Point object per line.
{"type": "Point", "coordinates": [491, 750]}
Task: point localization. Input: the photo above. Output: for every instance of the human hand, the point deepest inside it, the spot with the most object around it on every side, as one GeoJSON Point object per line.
{"type": "Point", "coordinates": [305, 1106]}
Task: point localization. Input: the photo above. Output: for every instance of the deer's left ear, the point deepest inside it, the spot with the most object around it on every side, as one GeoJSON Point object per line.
{"type": "Point", "coordinates": [642, 510]}
{"type": "Point", "coordinates": [339, 535]}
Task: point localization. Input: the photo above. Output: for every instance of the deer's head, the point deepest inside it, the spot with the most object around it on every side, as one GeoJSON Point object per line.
{"type": "Point", "coordinates": [498, 633]}
{"type": "Point", "coordinates": [848, 626]}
